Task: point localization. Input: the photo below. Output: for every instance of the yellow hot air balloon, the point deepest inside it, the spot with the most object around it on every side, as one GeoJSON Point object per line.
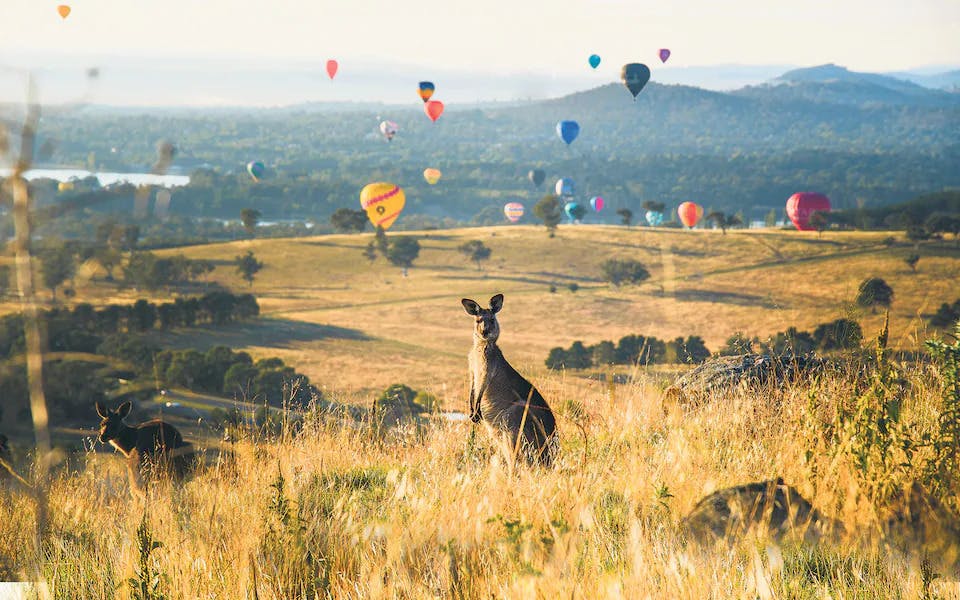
{"type": "Point", "coordinates": [383, 203]}
{"type": "Point", "coordinates": [65, 186]}
{"type": "Point", "coordinates": [432, 175]}
{"type": "Point", "coordinates": [64, 11]}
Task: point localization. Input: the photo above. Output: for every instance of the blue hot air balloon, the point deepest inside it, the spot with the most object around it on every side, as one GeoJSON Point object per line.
{"type": "Point", "coordinates": [654, 218]}
{"type": "Point", "coordinates": [594, 60]}
{"type": "Point", "coordinates": [564, 187]}
{"type": "Point", "coordinates": [568, 131]}
{"type": "Point", "coordinates": [574, 211]}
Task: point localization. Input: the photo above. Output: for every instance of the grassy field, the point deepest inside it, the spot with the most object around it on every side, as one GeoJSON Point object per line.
{"type": "Point", "coordinates": [355, 327]}
{"type": "Point", "coordinates": [431, 509]}
{"type": "Point", "coordinates": [434, 511]}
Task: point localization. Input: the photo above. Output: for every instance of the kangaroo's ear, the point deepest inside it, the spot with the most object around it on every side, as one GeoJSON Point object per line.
{"type": "Point", "coordinates": [496, 303]}
{"type": "Point", "coordinates": [470, 306]}
{"type": "Point", "coordinates": [102, 410]}
{"type": "Point", "coordinates": [124, 409]}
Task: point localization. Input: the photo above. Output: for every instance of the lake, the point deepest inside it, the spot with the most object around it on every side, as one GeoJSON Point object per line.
{"type": "Point", "coordinates": [105, 178]}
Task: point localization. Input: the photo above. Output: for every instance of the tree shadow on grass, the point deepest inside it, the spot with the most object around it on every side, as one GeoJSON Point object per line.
{"type": "Point", "coordinates": [722, 298]}
{"type": "Point", "coordinates": [269, 333]}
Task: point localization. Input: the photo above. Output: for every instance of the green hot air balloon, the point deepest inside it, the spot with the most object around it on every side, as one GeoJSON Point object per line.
{"type": "Point", "coordinates": [635, 76]}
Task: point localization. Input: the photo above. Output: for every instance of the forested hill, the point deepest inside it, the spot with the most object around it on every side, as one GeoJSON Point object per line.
{"type": "Point", "coordinates": [862, 139]}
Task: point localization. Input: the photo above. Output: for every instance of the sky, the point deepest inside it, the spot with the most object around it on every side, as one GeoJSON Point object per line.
{"type": "Point", "coordinates": [548, 40]}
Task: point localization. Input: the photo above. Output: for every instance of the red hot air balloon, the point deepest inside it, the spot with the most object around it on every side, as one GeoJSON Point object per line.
{"type": "Point", "coordinates": [332, 67]}
{"type": "Point", "coordinates": [433, 108]}
{"type": "Point", "coordinates": [802, 205]}
{"type": "Point", "coordinates": [689, 213]}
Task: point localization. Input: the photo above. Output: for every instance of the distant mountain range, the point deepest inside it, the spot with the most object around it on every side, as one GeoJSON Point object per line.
{"type": "Point", "coordinates": [220, 82]}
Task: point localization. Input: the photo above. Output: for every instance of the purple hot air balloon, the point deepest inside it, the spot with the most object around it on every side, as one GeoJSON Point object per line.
{"type": "Point", "coordinates": [664, 54]}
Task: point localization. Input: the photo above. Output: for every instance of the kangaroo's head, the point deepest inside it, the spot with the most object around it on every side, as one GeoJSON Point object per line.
{"type": "Point", "coordinates": [112, 420]}
{"type": "Point", "coordinates": [487, 328]}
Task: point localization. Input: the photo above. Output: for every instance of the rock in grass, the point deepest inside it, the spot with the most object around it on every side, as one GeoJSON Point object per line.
{"type": "Point", "coordinates": [723, 373]}
{"type": "Point", "coordinates": [769, 508]}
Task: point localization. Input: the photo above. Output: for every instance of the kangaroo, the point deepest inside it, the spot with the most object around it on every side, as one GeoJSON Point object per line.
{"type": "Point", "coordinates": [500, 396]}
{"type": "Point", "coordinates": [150, 444]}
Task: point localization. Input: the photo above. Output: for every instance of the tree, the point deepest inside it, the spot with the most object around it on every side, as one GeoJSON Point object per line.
{"type": "Point", "coordinates": [771, 219]}
{"type": "Point", "coordinates": [402, 252]}
{"type": "Point", "coordinates": [108, 258]}
{"type": "Point", "coordinates": [721, 220]}
{"type": "Point", "coordinates": [549, 211]}
{"type": "Point", "coordinates": [693, 350]}
{"type": "Point", "coordinates": [842, 334]}
{"type": "Point", "coordinates": [250, 217]}
{"type": "Point", "coordinates": [626, 216]}
{"type": "Point", "coordinates": [737, 344]}
{"type": "Point", "coordinates": [4, 279]}
{"type": "Point", "coordinates": [819, 220]}
{"type": "Point", "coordinates": [653, 206]}
{"type": "Point", "coordinates": [57, 266]}
{"type": "Point", "coordinates": [248, 266]}
{"type": "Point", "coordinates": [381, 241]}
{"type": "Point", "coordinates": [476, 251]}
{"type": "Point", "coordinates": [345, 220]}
{"type": "Point", "coordinates": [912, 261]}
{"type": "Point", "coordinates": [626, 271]}
{"type": "Point", "coordinates": [370, 252]}
{"type": "Point", "coordinates": [874, 292]}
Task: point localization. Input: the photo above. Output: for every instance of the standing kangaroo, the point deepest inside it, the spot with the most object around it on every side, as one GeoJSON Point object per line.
{"type": "Point", "coordinates": [502, 397]}
{"type": "Point", "coordinates": [153, 444]}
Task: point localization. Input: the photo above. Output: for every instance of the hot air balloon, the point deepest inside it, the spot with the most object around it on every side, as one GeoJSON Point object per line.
{"type": "Point", "coordinates": [256, 169]}
{"type": "Point", "coordinates": [564, 187]}
{"type": "Point", "coordinates": [383, 203]}
{"type": "Point", "coordinates": [537, 176]}
{"type": "Point", "coordinates": [654, 218]}
{"type": "Point", "coordinates": [568, 131]}
{"type": "Point", "coordinates": [426, 90]}
{"type": "Point", "coordinates": [689, 213]}
{"type": "Point", "coordinates": [65, 186]}
{"type": "Point", "coordinates": [594, 60]}
{"type": "Point", "coordinates": [432, 175]}
{"type": "Point", "coordinates": [802, 205]}
{"type": "Point", "coordinates": [64, 11]}
{"type": "Point", "coordinates": [664, 54]}
{"type": "Point", "coordinates": [574, 211]}
{"type": "Point", "coordinates": [332, 67]}
{"type": "Point", "coordinates": [635, 76]}
{"type": "Point", "coordinates": [597, 203]}
{"type": "Point", "coordinates": [389, 129]}
{"type": "Point", "coordinates": [513, 211]}
{"type": "Point", "coordinates": [433, 108]}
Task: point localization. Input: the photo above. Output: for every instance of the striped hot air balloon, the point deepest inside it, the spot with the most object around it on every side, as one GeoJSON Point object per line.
{"type": "Point", "coordinates": [513, 211]}
{"type": "Point", "coordinates": [383, 203]}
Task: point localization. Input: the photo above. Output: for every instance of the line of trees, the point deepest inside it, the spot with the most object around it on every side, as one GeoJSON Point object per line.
{"type": "Point", "coordinates": [629, 350]}
{"type": "Point", "coordinates": [83, 328]}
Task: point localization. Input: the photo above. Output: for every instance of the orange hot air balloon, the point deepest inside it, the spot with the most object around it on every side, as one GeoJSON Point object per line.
{"type": "Point", "coordinates": [383, 203]}
{"type": "Point", "coordinates": [332, 67]}
{"type": "Point", "coordinates": [433, 108]}
{"type": "Point", "coordinates": [432, 175]}
{"type": "Point", "coordinates": [64, 11]}
{"type": "Point", "coordinates": [689, 213]}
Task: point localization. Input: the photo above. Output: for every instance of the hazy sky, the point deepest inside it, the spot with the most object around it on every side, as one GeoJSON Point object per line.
{"type": "Point", "coordinates": [523, 48]}
{"type": "Point", "coordinates": [502, 34]}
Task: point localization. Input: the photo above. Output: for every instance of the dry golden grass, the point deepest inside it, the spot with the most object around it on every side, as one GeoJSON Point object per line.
{"type": "Point", "coordinates": [355, 328]}
{"type": "Point", "coordinates": [430, 511]}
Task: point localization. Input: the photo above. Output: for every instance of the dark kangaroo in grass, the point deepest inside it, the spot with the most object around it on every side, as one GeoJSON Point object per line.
{"type": "Point", "coordinates": [153, 447]}
{"type": "Point", "coordinates": [501, 397]}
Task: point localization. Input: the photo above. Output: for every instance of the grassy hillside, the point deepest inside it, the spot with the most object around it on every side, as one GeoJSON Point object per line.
{"type": "Point", "coordinates": [355, 327]}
